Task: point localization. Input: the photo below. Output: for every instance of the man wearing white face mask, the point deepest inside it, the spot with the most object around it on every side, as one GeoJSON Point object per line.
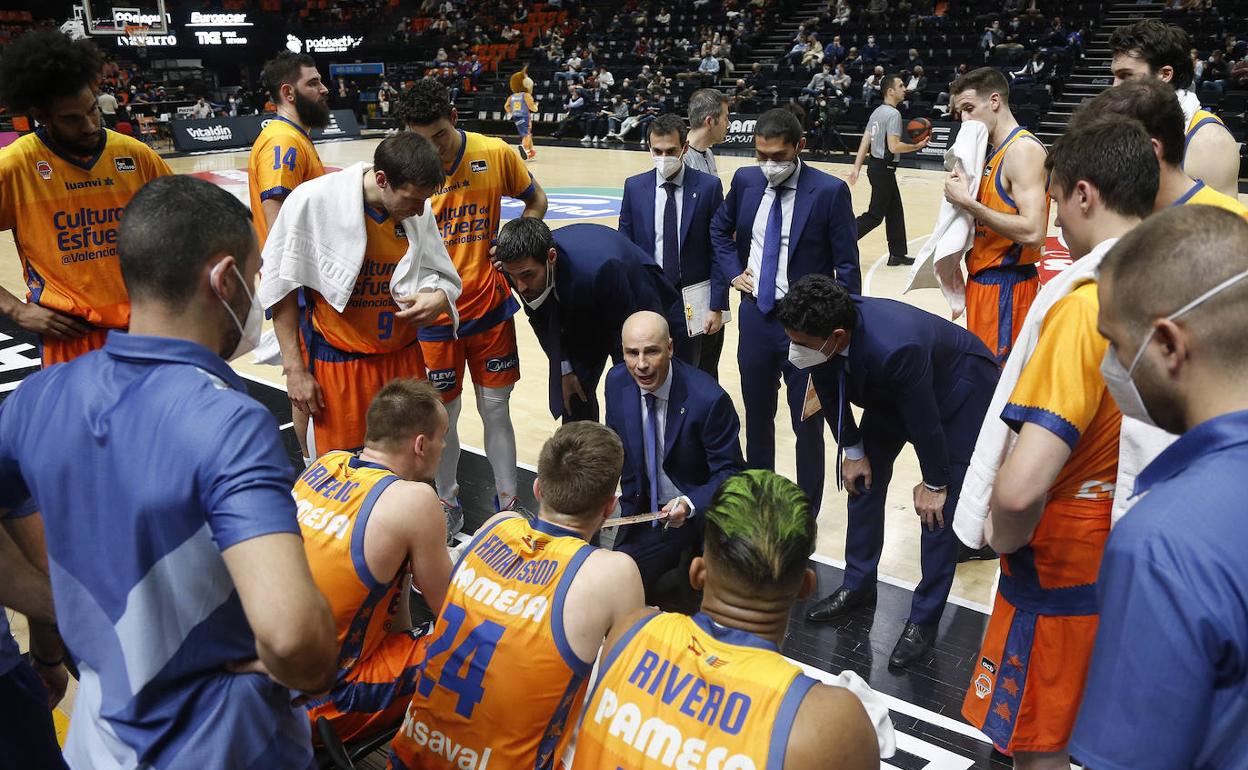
{"type": "Point", "coordinates": [781, 220]}
{"type": "Point", "coordinates": [1173, 617]}
{"type": "Point", "coordinates": [667, 213]}
{"type": "Point", "coordinates": [919, 379]}
{"type": "Point", "coordinates": [150, 452]}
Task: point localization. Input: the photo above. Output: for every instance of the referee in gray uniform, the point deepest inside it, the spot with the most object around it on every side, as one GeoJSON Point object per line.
{"type": "Point", "coordinates": [882, 139]}
{"type": "Point", "coordinates": [708, 125]}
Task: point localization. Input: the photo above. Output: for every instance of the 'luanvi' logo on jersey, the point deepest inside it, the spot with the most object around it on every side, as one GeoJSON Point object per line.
{"type": "Point", "coordinates": [44, 168]}
{"type": "Point", "coordinates": [477, 166]}
{"type": "Point", "coordinates": [125, 163]}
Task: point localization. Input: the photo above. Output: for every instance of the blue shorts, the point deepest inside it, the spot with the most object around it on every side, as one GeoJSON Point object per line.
{"type": "Point", "coordinates": [523, 127]}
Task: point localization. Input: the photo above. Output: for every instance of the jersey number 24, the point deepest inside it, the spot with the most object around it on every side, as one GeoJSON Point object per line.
{"type": "Point", "coordinates": [473, 653]}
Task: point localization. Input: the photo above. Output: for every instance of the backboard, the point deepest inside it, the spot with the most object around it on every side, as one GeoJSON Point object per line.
{"type": "Point", "coordinates": [112, 17]}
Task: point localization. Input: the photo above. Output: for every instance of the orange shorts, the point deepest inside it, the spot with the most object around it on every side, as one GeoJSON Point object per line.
{"type": "Point", "coordinates": [348, 382]}
{"type": "Point", "coordinates": [54, 351]}
{"type": "Point", "coordinates": [375, 693]}
{"type": "Point", "coordinates": [997, 301]}
{"type": "Point", "coordinates": [491, 356]}
{"type": "Point", "coordinates": [1028, 680]}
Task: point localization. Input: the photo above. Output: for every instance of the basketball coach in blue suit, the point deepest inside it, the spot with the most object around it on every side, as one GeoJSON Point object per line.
{"type": "Point", "coordinates": [578, 285]}
{"type": "Point", "coordinates": [919, 379]}
{"type": "Point", "coordinates": [681, 441]}
{"type": "Point", "coordinates": [781, 220]}
{"type": "Point", "coordinates": [667, 212]}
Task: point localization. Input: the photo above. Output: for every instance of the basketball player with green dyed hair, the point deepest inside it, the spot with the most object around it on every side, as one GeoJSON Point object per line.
{"type": "Point", "coordinates": [716, 681]}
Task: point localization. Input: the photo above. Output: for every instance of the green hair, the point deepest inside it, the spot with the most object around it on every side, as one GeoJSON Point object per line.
{"type": "Point", "coordinates": [759, 525]}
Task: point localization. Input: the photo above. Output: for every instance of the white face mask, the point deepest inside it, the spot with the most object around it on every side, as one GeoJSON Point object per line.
{"type": "Point", "coordinates": [249, 328]}
{"type": "Point", "coordinates": [550, 288]}
{"type": "Point", "coordinates": [804, 358]}
{"type": "Point", "coordinates": [667, 166]}
{"type": "Point", "coordinates": [1118, 378]}
{"type": "Point", "coordinates": [777, 171]}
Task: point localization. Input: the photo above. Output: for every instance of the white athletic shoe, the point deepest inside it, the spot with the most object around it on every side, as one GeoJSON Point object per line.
{"type": "Point", "coordinates": [587, 139]}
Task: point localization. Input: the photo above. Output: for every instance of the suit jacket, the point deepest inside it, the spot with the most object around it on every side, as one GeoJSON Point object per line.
{"type": "Point", "coordinates": [823, 237]}
{"type": "Point", "coordinates": [601, 279]}
{"type": "Point", "coordinates": [913, 373]}
{"type": "Point", "coordinates": [701, 441]}
{"type": "Point", "coordinates": [702, 195]}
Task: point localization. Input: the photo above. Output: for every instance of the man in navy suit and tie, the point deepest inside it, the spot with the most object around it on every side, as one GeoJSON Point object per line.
{"type": "Point", "coordinates": [781, 220]}
{"type": "Point", "coordinates": [578, 285]}
{"type": "Point", "coordinates": [681, 441]}
{"type": "Point", "coordinates": [919, 379]}
{"type": "Point", "coordinates": [667, 213]}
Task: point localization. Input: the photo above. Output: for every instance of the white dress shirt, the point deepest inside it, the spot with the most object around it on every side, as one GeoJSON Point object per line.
{"type": "Point", "coordinates": [667, 490]}
{"type": "Point", "coordinates": [660, 203]}
{"type": "Point", "coordinates": [759, 233]}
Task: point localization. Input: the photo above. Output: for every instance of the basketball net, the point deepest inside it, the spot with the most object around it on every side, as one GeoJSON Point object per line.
{"type": "Point", "coordinates": [138, 38]}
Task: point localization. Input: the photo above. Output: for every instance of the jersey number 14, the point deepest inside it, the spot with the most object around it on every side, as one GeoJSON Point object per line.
{"type": "Point", "coordinates": [287, 160]}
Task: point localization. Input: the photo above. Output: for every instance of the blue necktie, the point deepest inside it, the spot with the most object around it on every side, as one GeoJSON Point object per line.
{"type": "Point", "coordinates": [671, 236]}
{"type": "Point", "coordinates": [771, 255]}
{"type": "Point", "coordinates": [650, 434]}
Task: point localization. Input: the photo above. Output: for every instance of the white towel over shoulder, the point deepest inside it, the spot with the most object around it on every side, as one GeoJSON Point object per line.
{"type": "Point", "coordinates": [939, 264]}
{"type": "Point", "coordinates": [995, 437]}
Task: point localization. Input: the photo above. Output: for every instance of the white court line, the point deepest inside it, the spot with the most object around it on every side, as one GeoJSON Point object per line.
{"type": "Point", "coordinates": [892, 581]}
{"type": "Point", "coordinates": [866, 281]}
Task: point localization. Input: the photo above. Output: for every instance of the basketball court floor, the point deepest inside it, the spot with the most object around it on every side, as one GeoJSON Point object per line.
{"type": "Point", "coordinates": [585, 184]}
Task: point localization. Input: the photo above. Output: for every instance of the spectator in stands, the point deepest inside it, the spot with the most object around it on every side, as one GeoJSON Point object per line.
{"type": "Point", "coordinates": [916, 84]}
{"type": "Point", "coordinates": [641, 49]}
{"type": "Point", "coordinates": [870, 51]}
{"type": "Point", "coordinates": [1216, 72]}
{"type": "Point", "coordinates": [202, 109]}
{"type": "Point", "coordinates": [834, 51]}
{"type": "Point", "coordinates": [841, 82]}
{"type": "Point", "coordinates": [854, 60]}
{"type": "Point", "coordinates": [618, 114]}
{"type": "Point", "coordinates": [451, 80]}
{"type": "Point", "coordinates": [819, 83]}
{"type": "Point", "coordinates": [472, 70]}
{"type": "Point", "coordinates": [912, 60]}
{"type": "Point", "coordinates": [843, 12]}
{"type": "Point", "coordinates": [569, 74]}
{"type": "Point", "coordinates": [1035, 71]}
{"type": "Point", "coordinates": [814, 53]}
{"type": "Point", "coordinates": [108, 108]}
{"type": "Point", "coordinates": [871, 87]}
{"type": "Point", "coordinates": [708, 69]}
{"type": "Point", "coordinates": [877, 10]}
{"type": "Point", "coordinates": [1198, 67]}
{"type": "Point", "coordinates": [663, 17]}
{"type": "Point", "coordinates": [992, 37]}
{"type": "Point", "coordinates": [573, 107]}
{"type": "Point", "coordinates": [744, 97]}
{"type": "Point", "coordinates": [794, 57]}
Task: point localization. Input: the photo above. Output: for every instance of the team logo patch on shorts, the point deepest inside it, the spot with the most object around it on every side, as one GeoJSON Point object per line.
{"type": "Point", "coordinates": [477, 166]}
{"type": "Point", "coordinates": [442, 379]}
{"type": "Point", "coordinates": [44, 168]}
{"type": "Point", "coordinates": [983, 686]}
{"type": "Point", "coordinates": [125, 163]}
{"type": "Point", "coordinates": [502, 364]}
{"type": "Point", "coordinates": [988, 665]}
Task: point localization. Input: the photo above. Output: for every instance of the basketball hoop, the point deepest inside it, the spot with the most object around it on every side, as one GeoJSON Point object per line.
{"type": "Point", "coordinates": [137, 35]}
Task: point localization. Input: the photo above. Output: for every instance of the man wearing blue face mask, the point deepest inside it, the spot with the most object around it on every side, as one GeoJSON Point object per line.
{"type": "Point", "coordinates": [782, 220]}
{"type": "Point", "coordinates": [667, 213]}
{"type": "Point", "coordinates": [165, 495]}
{"type": "Point", "coordinates": [919, 379]}
{"type": "Point", "coordinates": [1173, 582]}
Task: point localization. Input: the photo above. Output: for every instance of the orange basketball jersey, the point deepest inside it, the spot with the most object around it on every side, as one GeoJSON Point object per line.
{"type": "Point", "coordinates": [501, 684]}
{"type": "Point", "coordinates": [282, 158]}
{"type": "Point", "coordinates": [680, 691]}
{"type": "Point", "coordinates": [64, 212]}
{"type": "Point", "coordinates": [367, 324]}
{"type": "Point", "coordinates": [991, 249]}
{"type": "Point", "coordinates": [335, 497]}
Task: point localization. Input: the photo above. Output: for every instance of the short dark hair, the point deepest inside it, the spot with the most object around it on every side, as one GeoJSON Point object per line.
{"type": "Point", "coordinates": [779, 122]}
{"type": "Point", "coordinates": [1152, 103]}
{"type": "Point", "coordinates": [524, 238]}
{"type": "Point", "coordinates": [705, 103]}
{"type": "Point", "coordinates": [426, 102]}
{"type": "Point", "coordinates": [1113, 155]}
{"type": "Point", "coordinates": [760, 528]}
{"type": "Point", "coordinates": [817, 305]}
{"type": "Point", "coordinates": [887, 83]}
{"type": "Point", "coordinates": [984, 81]}
{"type": "Point", "coordinates": [285, 69]}
{"type": "Point", "coordinates": [579, 467]}
{"type": "Point", "coordinates": [41, 67]}
{"type": "Point", "coordinates": [409, 158]}
{"type": "Point", "coordinates": [171, 228]}
{"type": "Point", "coordinates": [1159, 45]}
{"type": "Point", "coordinates": [668, 124]}
{"type": "Point", "coordinates": [402, 410]}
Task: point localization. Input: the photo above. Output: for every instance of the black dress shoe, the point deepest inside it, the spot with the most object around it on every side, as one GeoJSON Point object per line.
{"type": "Point", "coordinates": [839, 602]}
{"type": "Point", "coordinates": [915, 641]}
{"type": "Point", "coordinates": [894, 261]}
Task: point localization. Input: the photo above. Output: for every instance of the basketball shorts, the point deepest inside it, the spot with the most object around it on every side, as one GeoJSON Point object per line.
{"type": "Point", "coordinates": [996, 304]}
{"type": "Point", "coordinates": [54, 351]}
{"type": "Point", "coordinates": [375, 693]}
{"type": "Point", "coordinates": [522, 127]}
{"type": "Point", "coordinates": [490, 356]}
{"type": "Point", "coordinates": [348, 383]}
{"type": "Point", "coordinates": [1028, 679]}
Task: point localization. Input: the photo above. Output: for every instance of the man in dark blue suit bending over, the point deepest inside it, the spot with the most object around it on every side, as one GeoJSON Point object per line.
{"type": "Point", "coordinates": [919, 379]}
{"type": "Point", "coordinates": [781, 220]}
{"type": "Point", "coordinates": [676, 413]}
{"type": "Point", "coordinates": [578, 285]}
{"type": "Point", "coordinates": [667, 212]}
